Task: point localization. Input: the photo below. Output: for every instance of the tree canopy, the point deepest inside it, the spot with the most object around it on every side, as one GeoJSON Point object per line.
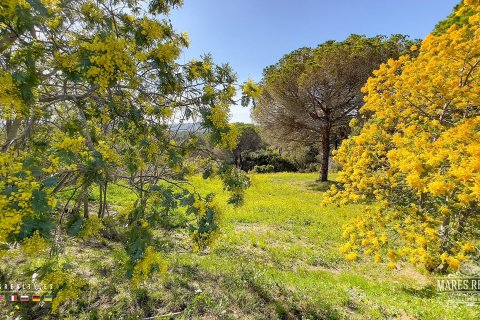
{"type": "Point", "coordinates": [310, 95]}
{"type": "Point", "coordinates": [249, 140]}
{"type": "Point", "coordinates": [91, 94]}
{"type": "Point", "coordinates": [459, 17]}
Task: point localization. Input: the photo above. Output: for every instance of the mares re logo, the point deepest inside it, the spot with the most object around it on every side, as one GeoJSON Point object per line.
{"type": "Point", "coordinates": [461, 287]}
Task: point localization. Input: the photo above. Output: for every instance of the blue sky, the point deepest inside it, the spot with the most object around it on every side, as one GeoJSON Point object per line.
{"type": "Point", "coordinates": [252, 34]}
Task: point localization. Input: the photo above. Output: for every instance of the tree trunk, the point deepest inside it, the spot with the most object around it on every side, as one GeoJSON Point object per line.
{"type": "Point", "coordinates": [12, 127]}
{"type": "Point", "coordinates": [105, 199]}
{"type": "Point", "coordinates": [85, 202]}
{"type": "Point", "coordinates": [100, 205]}
{"type": "Point", "coordinates": [235, 159]}
{"type": "Point", "coordinates": [325, 154]}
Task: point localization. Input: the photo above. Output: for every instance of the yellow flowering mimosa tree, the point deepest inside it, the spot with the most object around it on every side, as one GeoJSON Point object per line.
{"type": "Point", "coordinates": [92, 94]}
{"type": "Point", "coordinates": [418, 155]}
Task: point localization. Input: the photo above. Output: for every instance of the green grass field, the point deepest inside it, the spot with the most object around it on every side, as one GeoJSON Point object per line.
{"type": "Point", "coordinates": [277, 258]}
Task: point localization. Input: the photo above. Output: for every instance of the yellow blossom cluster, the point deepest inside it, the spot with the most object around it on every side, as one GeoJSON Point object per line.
{"type": "Point", "coordinates": [67, 62]}
{"type": "Point", "coordinates": [108, 153]}
{"type": "Point", "coordinates": [111, 59]}
{"type": "Point", "coordinates": [419, 155]}
{"type": "Point", "coordinates": [200, 205]}
{"type": "Point", "coordinates": [167, 52]}
{"type": "Point", "coordinates": [35, 246]}
{"type": "Point", "coordinates": [63, 142]}
{"type": "Point", "coordinates": [17, 186]}
{"type": "Point", "coordinates": [91, 10]}
{"type": "Point", "coordinates": [206, 218]}
{"type": "Point", "coordinates": [251, 89]}
{"type": "Point", "coordinates": [151, 265]}
{"type": "Point", "coordinates": [228, 134]}
{"type": "Point", "coordinates": [151, 29]}
{"type": "Point", "coordinates": [11, 104]}
{"type": "Point", "coordinates": [229, 140]}
{"type": "Point", "coordinates": [91, 228]}
{"type": "Point", "coordinates": [69, 286]}
{"type": "Point", "coordinates": [8, 7]}
{"type": "Point", "coordinates": [219, 115]}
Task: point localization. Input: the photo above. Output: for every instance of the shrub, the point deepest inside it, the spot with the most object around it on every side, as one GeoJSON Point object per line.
{"type": "Point", "coordinates": [268, 157]}
{"type": "Point", "coordinates": [264, 169]}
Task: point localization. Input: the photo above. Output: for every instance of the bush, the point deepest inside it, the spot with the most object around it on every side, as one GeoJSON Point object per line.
{"type": "Point", "coordinates": [418, 156]}
{"type": "Point", "coordinates": [268, 158]}
{"type": "Point", "coordinates": [311, 167]}
{"type": "Point", "coordinates": [264, 169]}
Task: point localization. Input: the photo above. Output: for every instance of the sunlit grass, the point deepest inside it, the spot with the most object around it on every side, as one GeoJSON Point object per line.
{"type": "Point", "coordinates": [277, 257]}
{"type": "Point", "coordinates": [287, 244]}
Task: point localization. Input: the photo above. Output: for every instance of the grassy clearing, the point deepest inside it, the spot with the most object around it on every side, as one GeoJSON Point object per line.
{"type": "Point", "coordinates": [277, 258]}
{"type": "Point", "coordinates": [286, 244]}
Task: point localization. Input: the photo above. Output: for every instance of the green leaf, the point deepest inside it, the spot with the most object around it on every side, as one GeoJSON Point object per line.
{"type": "Point", "coordinates": [38, 6]}
{"type": "Point", "coordinates": [42, 223]}
{"type": "Point", "coordinates": [75, 224]}
{"type": "Point", "coordinates": [39, 201]}
{"type": "Point", "coordinates": [50, 182]}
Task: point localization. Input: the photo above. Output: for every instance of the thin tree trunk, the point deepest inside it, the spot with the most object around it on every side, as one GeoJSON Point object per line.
{"type": "Point", "coordinates": [235, 160]}
{"type": "Point", "coordinates": [325, 154]}
{"type": "Point", "coordinates": [12, 127]}
{"type": "Point", "coordinates": [85, 202]}
{"type": "Point", "coordinates": [104, 208]}
{"type": "Point", "coordinates": [100, 207]}
{"type": "Point", "coordinates": [141, 197]}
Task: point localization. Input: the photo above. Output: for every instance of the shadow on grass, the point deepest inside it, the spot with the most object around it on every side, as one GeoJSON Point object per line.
{"type": "Point", "coordinates": [286, 305]}
{"type": "Point", "coordinates": [425, 293]}
{"type": "Point", "coordinates": [322, 186]}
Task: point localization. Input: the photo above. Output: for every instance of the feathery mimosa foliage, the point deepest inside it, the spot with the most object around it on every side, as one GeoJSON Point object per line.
{"type": "Point", "coordinates": [90, 93]}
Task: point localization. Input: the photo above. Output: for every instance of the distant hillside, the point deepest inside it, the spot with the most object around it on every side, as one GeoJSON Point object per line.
{"type": "Point", "coordinates": [188, 127]}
